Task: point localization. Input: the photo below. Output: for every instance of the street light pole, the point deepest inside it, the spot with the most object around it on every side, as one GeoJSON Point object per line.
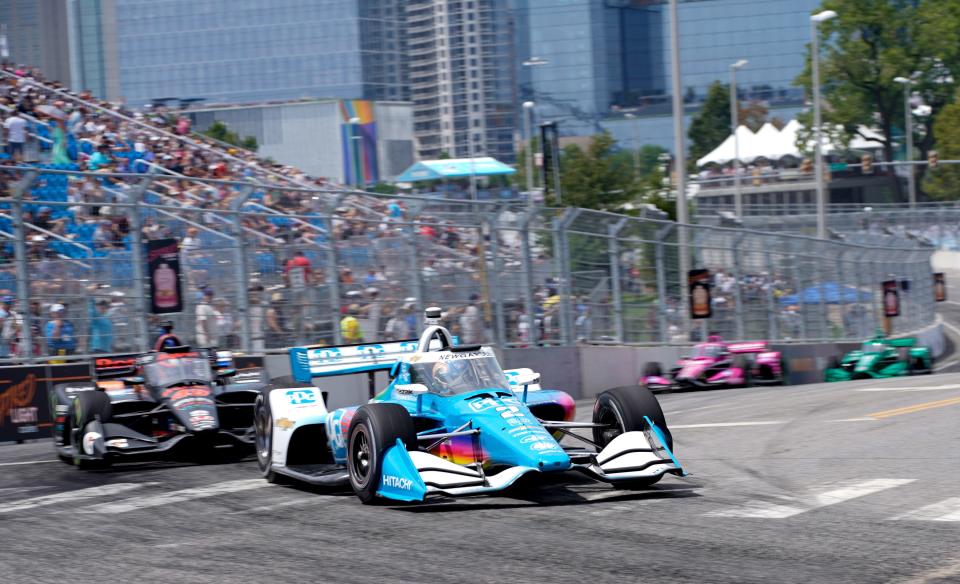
{"type": "Point", "coordinates": [734, 124]}
{"type": "Point", "coordinates": [817, 123]}
{"type": "Point", "coordinates": [680, 160]}
{"type": "Point", "coordinates": [679, 154]}
{"type": "Point", "coordinates": [630, 116]}
{"type": "Point", "coordinates": [528, 132]}
{"type": "Point", "coordinates": [908, 129]}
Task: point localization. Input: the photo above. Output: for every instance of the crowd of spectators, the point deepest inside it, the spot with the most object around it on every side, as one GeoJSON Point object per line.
{"type": "Point", "coordinates": [290, 301]}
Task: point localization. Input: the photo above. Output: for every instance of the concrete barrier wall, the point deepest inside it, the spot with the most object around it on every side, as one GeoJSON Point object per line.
{"type": "Point", "coordinates": [587, 370]}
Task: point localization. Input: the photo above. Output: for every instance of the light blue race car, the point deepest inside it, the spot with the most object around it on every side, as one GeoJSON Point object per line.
{"type": "Point", "coordinates": [450, 422]}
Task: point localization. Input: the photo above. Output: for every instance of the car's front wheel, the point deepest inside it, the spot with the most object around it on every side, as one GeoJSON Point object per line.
{"type": "Point", "coordinates": [622, 410]}
{"type": "Point", "coordinates": [374, 429]}
{"type": "Point", "coordinates": [88, 412]}
{"type": "Point", "coordinates": [263, 436]}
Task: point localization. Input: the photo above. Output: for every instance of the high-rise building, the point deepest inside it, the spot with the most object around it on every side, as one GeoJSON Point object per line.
{"type": "Point", "coordinates": [461, 77]}
{"type": "Point", "coordinates": [598, 59]}
{"type": "Point", "coordinates": [35, 32]}
{"type": "Point", "coordinates": [220, 51]}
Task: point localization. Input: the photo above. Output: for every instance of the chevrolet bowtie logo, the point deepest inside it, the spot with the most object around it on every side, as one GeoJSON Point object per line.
{"type": "Point", "coordinates": [285, 423]}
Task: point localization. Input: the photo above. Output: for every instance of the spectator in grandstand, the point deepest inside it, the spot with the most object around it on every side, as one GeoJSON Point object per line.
{"type": "Point", "coordinates": [100, 159]}
{"type": "Point", "coordinates": [101, 327]}
{"type": "Point", "coordinates": [42, 218]}
{"type": "Point", "coordinates": [206, 320]}
{"type": "Point", "coordinates": [15, 130]}
{"type": "Point", "coordinates": [59, 151]}
{"type": "Point", "coordinates": [297, 271]}
{"type": "Point", "coordinates": [59, 332]}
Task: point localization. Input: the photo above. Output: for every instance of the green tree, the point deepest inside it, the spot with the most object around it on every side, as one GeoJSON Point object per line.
{"type": "Point", "coordinates": [599, 176]}
{"type": "Point", "coordinates": [869, 44]}
{"type": "Point", "coordinates": [943, 182]}
{"type": "Point", "coordinates": [219, 131]}
{"type": "Point", "coordinates": [711, 126]}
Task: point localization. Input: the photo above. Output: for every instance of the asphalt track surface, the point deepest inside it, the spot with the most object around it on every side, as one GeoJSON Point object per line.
{"type": "Point", "coordinates": [847, 482]}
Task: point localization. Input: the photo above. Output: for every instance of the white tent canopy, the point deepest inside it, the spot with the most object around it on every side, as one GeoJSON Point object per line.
{"type": "Point", "coordinates": [773, 144]}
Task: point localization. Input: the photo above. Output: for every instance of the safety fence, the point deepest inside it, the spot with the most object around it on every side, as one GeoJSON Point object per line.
{"type": "Point", "coordinates": [266, 267]}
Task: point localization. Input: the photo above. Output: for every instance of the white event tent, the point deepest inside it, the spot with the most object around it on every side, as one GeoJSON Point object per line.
{"type": "Point", "coordinates": [773, 144]}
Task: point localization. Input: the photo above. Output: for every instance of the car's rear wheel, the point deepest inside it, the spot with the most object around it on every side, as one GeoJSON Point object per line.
{"type": "Point", "coordinates": [743, 364]}
{"type": "Point", "coordinates": [263, 436]}
{"type": "Point", "coordinates": [374, 429]}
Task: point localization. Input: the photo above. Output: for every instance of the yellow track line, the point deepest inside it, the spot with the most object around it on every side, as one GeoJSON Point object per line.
{"type": "Point", "coordinates": [915, 408]}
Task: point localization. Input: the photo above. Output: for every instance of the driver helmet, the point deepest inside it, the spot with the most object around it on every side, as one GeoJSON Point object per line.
{"type": "Point", "coordinates": [449, 374]}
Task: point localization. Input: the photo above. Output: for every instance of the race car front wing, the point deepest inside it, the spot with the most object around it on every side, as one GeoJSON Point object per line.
{"type": "Point", "coordinates": [631, 456]}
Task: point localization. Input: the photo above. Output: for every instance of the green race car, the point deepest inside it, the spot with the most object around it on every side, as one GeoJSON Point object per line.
{"type": "Point", "coordinates": [880, 358]}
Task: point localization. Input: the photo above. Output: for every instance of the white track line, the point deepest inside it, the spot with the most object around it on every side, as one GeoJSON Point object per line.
{"type": "Point", "coordinates": [27, 462]}
{"type": "Point", "coordinates": [940, 574]}
{"type": "Point", "coordinates": [727, 424]}
{"type": "Point", "coordinates": [213, 490]}
{"type": "Point", "coordinates": [916, 388]}
{"type": "Point", "coordinates": [299, 501]}
{"type": "Point", "coordinates": [71, 496]}
{"type": "Point", "coordinates": [946, 510]}
{"type": "Point", "coordinates": [791, 507]}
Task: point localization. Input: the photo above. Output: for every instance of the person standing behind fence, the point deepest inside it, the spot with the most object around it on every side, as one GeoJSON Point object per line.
{"type": "Point", "coordinates": [471, 322]}
{"type": "Point", "coordinates": [101, 327]}
{"type": "Point", "coordinates": [396, 328]}
{"type": "Point", "coordinates": [225, 324]}
{"type": "Point", "coordinates": [9, 326]}
{"type": "Point", "coordinates": [206, 320]}
{"type": "Point", "coordinates": [255, 315]}
{"type": "Point", "coordinates": [59, 332]}
{"type": "Point", "coordinates": [350, 327]}
{"type": "Point", "coordinates": [276, 323]}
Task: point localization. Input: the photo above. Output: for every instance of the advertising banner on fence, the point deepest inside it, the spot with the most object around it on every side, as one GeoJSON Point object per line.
{"type": "Point", "coordinates": [24, 409]}
{"type": "Point", "coordinates": [939, 287]}
{"type": "Point", "coordinates": [163, 262]}
{"type": "Point", "coordinates": [699, 282]}
{"type": "Point", "coordinates": [891, 299]}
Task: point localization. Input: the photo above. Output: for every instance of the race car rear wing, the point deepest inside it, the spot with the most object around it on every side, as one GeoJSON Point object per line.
{"type": "Point", "coordinates": [116, 366]}
{"type": "Point", "coordinates": [752, 347]}
{"type": "Point", "coordinates": [307, 363]}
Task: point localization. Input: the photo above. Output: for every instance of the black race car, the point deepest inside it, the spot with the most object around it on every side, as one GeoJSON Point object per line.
{"type": "Point", "coordinates": [150, 405]}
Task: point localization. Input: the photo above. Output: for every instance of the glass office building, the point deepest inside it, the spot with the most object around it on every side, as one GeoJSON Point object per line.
{"type": "Point", "coordinates": [604, 58]}
{"type": "Point", "coordinates": [234, 51]}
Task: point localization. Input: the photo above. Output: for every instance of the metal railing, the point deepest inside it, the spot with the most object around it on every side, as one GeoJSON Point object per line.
{"type": "Point", "coordinates": [257, 278]}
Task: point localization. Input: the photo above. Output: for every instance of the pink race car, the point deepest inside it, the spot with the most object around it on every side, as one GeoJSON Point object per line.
{"type": "Point", "coordinates": [719, 364]}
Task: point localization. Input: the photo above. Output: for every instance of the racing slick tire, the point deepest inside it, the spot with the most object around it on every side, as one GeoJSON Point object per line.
{"type": "Point", "coordinates": [743, 364]}
{"type": "Point", "coordinates": [625, 407]}
{"type": "Point", "coordinates": [87, 407]}
{"type": "Point", "coordinates": [652, 369]}
{"type": "Point", "coordinates": [263, 436]}
{"type": "Point", "coordinates": [834, 363]}
{"type": "Point", "coordinates": [375, 428]}
{"type": "Point", "coordinates": [916, 366]}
